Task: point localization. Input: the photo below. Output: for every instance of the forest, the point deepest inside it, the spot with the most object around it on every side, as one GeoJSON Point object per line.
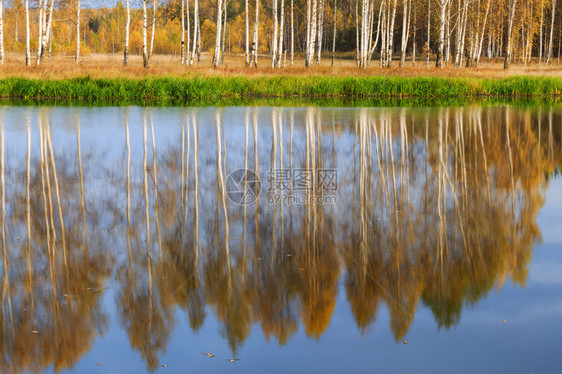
{"type": "Point", "coordinates": [286, 32]}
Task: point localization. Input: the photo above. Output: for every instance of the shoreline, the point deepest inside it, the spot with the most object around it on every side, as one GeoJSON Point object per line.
{"type": "Point", "coordinates": [217, 88]}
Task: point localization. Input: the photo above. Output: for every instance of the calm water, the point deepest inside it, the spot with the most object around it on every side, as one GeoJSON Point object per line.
{"type": "Point", "coordinates": [395, 240]}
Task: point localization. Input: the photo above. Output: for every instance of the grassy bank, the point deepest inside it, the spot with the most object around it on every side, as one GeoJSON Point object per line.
{"type": "Point", "coordinates": [209, 89]}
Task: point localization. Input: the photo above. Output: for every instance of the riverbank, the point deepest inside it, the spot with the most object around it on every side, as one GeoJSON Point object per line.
{"type": "Point", "coordinates": [217, 88]}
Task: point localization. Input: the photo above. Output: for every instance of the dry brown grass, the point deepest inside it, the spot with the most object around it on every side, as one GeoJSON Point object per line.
{"type": "Point", "coordinates": [111, 66]}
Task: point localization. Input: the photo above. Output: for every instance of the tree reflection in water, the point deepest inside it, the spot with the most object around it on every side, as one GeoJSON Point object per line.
{"type": "Point", "coordinates": [434, 205]}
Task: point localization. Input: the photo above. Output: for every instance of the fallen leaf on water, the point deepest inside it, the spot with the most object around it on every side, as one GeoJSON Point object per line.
{"type": "Point", "coordinates": [98, 364]}
{"type": "Point", "coordinates": [405, 342]}
{"type": "Point", "coordinates": [505, 321]}
{"type": "Point", "coordinates": [233, 359]}
{"type": "Point", "coordinates": [35, 331]}
{"type": "Point", "coordinates": [164, 365]}
{"type": "Point", "coordinates": [208, 354]}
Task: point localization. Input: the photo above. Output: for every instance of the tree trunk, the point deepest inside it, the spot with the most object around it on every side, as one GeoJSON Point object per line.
{"type": "Point", "coordinates": [540, 32]}
{"type": "Point", "coordinates": [281, 34]}
{"type": "Point", "coordinates": [442, 19]}
{"type": "Point", "coordinates": [513, 4]}
{"type": "Point", "coordinates": [47, 31]}
{"type": "Point", "coordinates": [357, 48]}
{"type": "Point", "coordinates": [405, 31]}
{"type": "Point", "coordinates": [390, 34]}
{"type": "Point", "coordinates": [334, 36]}
{"type": "Point", "coordinates": [292, 32]}
{"type": "Point", "coordinates": [553, 17]}
{"type": "Point", "coordinates": [275, 35]}
{"type": "Point", "coordinates": [153, 28]}
{"type": "Point", "coordinates": [77, 57]}
{"type": "Point", "coordinates": [428, 30]}
{"type": "Point", "coordinates": [311, 32]}
{"type": "Point", "coordinates": [188, 38]}
{"type": "Point", "coordinates": [414, 39]}
{"type": "Point", "coordinates": [144, 36]}
{"type": "Point", "coordinates": [481, 41]}
{"type": "Point", "coordinates": [247, 35]}
{"type": "Point", "coordinates": [1, 33]}
{"type": "Point", "coordinates": [254, 54]}
{"type": "Point", "coordinates": [182, 57]}
{"type": "Point", "coordinates": [196, 33]}
{"type": "Point", "coordinates": [40, 32]}
{"type": "Point", "coordinates": [216, 57]}
{"type": "Point", "coordinates": [320, 31]}
{"type": "Point", "coordinates": [27, 35]}
{"type": "Point", "coordinates": [127, 26]}
{"type": "Point", "coordinates": [223, 41]}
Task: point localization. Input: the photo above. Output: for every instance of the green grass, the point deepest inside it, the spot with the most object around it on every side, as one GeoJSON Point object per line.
{"type": "Point", "coordinates": [215, 89]}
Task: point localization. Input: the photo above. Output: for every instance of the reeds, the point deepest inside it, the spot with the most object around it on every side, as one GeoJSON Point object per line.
{"type": "Point", "coordinates": [209, 89]}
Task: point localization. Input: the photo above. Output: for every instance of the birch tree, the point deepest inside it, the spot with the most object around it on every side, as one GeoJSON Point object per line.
{"type": "Point", "coordinates": [311, 17]}
{"type": "Point", "coordinates": [320, 31]}
{"type": "Point", "coordinates": [511, 17]}
{"type": "Point", "coordinates": [335, 29]}
{"type": "Point", "coordinates": [254, 54]}
{"type": "Point", "coordinates": [196, 33]}
{"type": "Point", "coordinates": [27, 35]}
{"type": "Point", "coordinates": [1, 32]}
{"type": "Point", "coordinates": [153, 28]}
{"type": "Point", "coordinates": [144, 32]}
{"type": "Point", "coordinates": [247, 34]}
{"type": "Point", "coordinates": [275, 34]}
{"type": "Point", "coordinates": [77, 30]}
{"type": "Point", "coordinates": [405, 30]}
{"type": "Point", "coordinates": [281, 34]}
{"type": "Point", "coordinates": [292, 32]}
{"type": "Point", "coordinates": [188, 41]}
{"type": "Point", "coordinates": [127, 26]}
{"type": "Point", "coordinates": [443, 14]}
{"type": "Point", "coordinates": [553, 17]}
{"type": "Point", "coordinates": [216, 57]}
{"type": "Point", "coordinates": [182, 57]}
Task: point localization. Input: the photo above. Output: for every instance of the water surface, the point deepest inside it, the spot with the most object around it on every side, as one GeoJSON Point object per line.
{"type": "Point", "coordinates": [362, 239]}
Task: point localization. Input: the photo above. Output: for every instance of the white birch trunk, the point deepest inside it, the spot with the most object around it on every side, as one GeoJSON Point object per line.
{"type": "Point", "coordinates": [27, 35]}
{"type": "Point", "coordinates": [540, 32]}
{"type": "Point", "coordinates": [182, 57]}
{"type": "Point", "coordinates": [216, 57]}
{"type": "Point", "coordinates": [1, 32]}
{"type": "Point", "coordinates": [254, 54]}
{"type": "Point", "coordinates": [275, 35]}
{"type": "Point", "coordinates": [196, 32]}
{"type": "Point", "coordinates": [281, 35]}
{"type": "Point", "coordinates": [442, 19]}
{"type": "Point", "coordinates": [153, 28]}
{"type": "Point", "coordinates": [127, 27]}
{"type": "Point", "coordinates": [188, 39]}
{"type": "Point", "coordinates": [223, 41]}
{"type": "Point", "coordinates": [428, 31]}
{"type": "Point", "coordinates": [77, 57]}
{"type": "Point", "coordinates": [335, 29]}
{"type": "Point", "coordinates": [292, 32]}
{"type": "Point", "coordinates": [144, 36]}
{"type": "Point", "coordinates": [40, 32]}
{"type": "Point", "coordinates": [247, 34]}
{"type": "Point", "coordinates": [405, 31]}
{"type": "Point", "coordinates": [511, 18]}
{"type": "Point", "coordinates": [553, 17]}
{"type": "Point", "coordinates": [320, 31]}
